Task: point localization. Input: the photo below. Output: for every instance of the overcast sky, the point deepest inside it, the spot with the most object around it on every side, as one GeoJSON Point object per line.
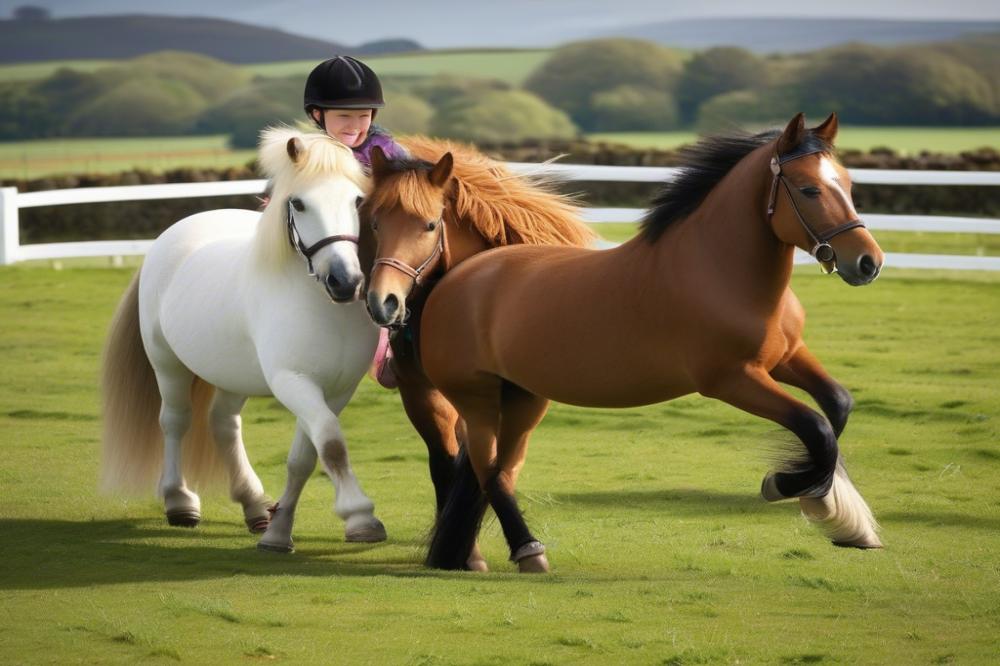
{"type": "Point", "coordinates": [435, 23]}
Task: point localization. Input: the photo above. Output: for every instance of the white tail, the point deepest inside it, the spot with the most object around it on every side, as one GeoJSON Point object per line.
{"type": "Point", "coordinates": [843, 515]}
{"type": "Point", "coordinates": [133, 441]}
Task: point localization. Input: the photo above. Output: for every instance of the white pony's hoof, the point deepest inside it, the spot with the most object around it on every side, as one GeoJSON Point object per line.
{"type": "Point", "coordinates": [275, 547]}
{"type": "Point", "coordinates": [184, 517]}
{"type": "Point", "coordinates": [476, 561]}
{"type": "Point", "coordinates": [531, 558]}
{"type": "Point", "coordinates": [366, 530]}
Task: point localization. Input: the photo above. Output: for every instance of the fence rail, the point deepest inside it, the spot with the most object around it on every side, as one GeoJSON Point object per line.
{"type": "Point", "coordinates": [11, 201]}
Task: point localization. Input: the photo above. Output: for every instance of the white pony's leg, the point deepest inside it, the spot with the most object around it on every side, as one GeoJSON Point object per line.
{"type": "Point", "coordinates": [182, 505]}
{"type": "Point", "coordinates": [301, 463]}
{"type": "Point", "coordinates": [305, 399]}
{"type": "Point", "coordinates": [244, 484]}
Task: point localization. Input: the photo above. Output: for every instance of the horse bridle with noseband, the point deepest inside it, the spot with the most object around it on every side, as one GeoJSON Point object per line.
{"type": "Point", "coordinates": [418, 274]}
{"type": "Point", "coordinates": [821, 250]}
{"type": "Point", "coordinates": [295, 240]}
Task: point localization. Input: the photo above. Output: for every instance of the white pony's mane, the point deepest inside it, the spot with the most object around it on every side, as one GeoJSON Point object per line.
{"type": "Point", "coordinates": [323, 157]}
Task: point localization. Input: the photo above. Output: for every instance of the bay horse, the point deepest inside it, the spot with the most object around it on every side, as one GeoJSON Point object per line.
{"type": "Point", "coordinates": [236, 303]}
{"type": "Point", "coordinates": [698, 301]}
{"type": "Point", "coordinates": [431, 213]}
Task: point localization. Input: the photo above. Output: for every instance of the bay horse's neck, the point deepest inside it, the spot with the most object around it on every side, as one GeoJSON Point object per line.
{"type": "Point", "coordinates": [728, 240]}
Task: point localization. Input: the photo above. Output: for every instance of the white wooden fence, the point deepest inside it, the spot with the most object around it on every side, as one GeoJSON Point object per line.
{"type": "Point", "coordinates": [12, 201]}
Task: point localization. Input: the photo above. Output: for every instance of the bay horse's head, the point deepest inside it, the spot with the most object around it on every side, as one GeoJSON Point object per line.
{"type": "Point", "coordinates": [407, 214]}
{"type": "Point", "coordinates": [810, 206]}
{"type": "Point", "coordinates": [317, 187]}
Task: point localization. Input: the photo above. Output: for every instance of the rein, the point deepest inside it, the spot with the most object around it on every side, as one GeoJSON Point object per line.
{"type": "Point", "coordinates": [821, 250]}
{"type": "Point", "coordinates": [295, 240]}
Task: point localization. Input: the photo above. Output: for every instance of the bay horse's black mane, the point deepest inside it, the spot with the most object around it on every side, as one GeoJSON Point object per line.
{"type": "Point", "coordinates": [705, 164]}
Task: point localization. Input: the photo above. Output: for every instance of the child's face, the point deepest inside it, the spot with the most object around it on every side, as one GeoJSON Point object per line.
{"type": "Point", "coordinates": [349, 126]}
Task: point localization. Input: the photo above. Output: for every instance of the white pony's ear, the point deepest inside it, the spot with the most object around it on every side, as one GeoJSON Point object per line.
{"type": "Point", "coordinates": [295, 148]}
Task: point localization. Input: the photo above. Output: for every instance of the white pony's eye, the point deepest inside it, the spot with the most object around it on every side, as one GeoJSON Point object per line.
{"type": "Point", "coordinates": [297, 204]}
{"type": "Point", "coordinates": [359, 202]}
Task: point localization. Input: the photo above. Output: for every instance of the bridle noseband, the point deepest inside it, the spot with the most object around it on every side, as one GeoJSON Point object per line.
{"type": "Point", "coordinates": [416, 274]}
{"type": "Point", "coordinates": [295, 240]}
{"type": "Point", "coordinates": [821, 250]}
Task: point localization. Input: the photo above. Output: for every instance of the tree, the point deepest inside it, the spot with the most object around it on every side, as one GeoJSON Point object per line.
{"type": "Point", "coordinates": [718, 71]}
{"type": "Point", "coordinates": [573, 74]}
{"type": "Point", "coordinates": [633, 108]}
{"type": "Point", "coordinates": [406, 114]}
{"type": "Point", "coordinates": [31, 13]}
{"type": "Point", "coordinates": [499, 116]}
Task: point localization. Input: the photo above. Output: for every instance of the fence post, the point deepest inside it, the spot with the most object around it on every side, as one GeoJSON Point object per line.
{"type": "Point", "coordinates": [9, 226]}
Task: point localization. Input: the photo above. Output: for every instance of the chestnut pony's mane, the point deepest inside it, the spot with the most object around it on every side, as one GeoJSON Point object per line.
{"type": "Point", "coordinates": [505, 208]}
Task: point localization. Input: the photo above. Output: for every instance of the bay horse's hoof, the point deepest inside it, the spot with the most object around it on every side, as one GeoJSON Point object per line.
{"type": "Point", "coordinates": [276, 547]}
{"type": "Point", "coordinates": [184, 518]}
{"type": "Point", "coordinates": [476, 561]}
{"type": "Point", "coordinates": [769, 489]}
{"type": "Point", "coordinates": [369, 531]}
{"type": "Point", "coordinates": [258, 525]}
{"type": "Point", "coordinates": [531, 558]}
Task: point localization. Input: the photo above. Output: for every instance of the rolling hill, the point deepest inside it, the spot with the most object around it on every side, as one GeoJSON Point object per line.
{"type": "Point", "coordinates": [126, 36]}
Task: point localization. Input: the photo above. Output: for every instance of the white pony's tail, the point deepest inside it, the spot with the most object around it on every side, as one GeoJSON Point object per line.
{"type": "Point", "coordinates": [133, 442]}
{"type": "Point", "coordinates": [843, 515]}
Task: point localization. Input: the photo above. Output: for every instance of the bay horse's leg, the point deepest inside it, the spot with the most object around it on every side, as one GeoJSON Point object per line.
{"type": "Point", "coordinates": [301, 463]}
{"type": "Point", "coordinates": [244, 485]}
{"type": "Point", "coordinates": [306, 400]}
{"type": "Point", "coordinates": [803, 370]}
{"type": "Point", "coordinates": [437, 422]}
{"type": "Point", "coordinates": [182, 505]}
{"type": "Point", "coordinates": [454, 537]}
{"type": "Point", "coordinates": [849, 520]}
{"type": "Point", "coordinates": [521, 412]}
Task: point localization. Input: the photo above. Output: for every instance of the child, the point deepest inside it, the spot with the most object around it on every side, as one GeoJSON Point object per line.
{"type": "Point", "coordinates": [342, 96]}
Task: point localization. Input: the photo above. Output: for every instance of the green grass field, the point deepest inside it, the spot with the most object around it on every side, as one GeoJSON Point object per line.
{"type": "Point", "coordinates": [662, 553]}
{"type": "Point", "coordinates": [510, 65]}
{"type": "Point", "coordinates": [907, 140]}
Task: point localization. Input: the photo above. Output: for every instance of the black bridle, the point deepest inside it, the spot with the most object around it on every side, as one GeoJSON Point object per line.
{"type": "Point", "coordinates": [295, 240]}
{"type": "Point", "coordinates": [821, 250]}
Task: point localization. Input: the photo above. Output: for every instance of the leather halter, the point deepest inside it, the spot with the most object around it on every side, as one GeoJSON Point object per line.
{"type": "Point", "coordinates": [416, 274]}
{"type": "Point", "coordinates": [821, 250]}
{"type": "Point", "coordinates": [295, 240]}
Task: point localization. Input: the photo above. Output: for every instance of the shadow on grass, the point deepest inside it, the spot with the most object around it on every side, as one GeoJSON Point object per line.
{"type": "Point", "coordinates": [45, 554]}
{"type": "Point", "coordinates": [942, 519]}
{"type": "Point", "coordinates": [677, 501]}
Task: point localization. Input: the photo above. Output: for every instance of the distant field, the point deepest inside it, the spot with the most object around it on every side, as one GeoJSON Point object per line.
{"type": "Point", "coordinates": [510, 66]}
{"type": "Point", "coordinates": [40, 70]}
{"type": "Point", "coordinates": [900, 139]}
{"type": "Point", "coordinates": [47, 157]}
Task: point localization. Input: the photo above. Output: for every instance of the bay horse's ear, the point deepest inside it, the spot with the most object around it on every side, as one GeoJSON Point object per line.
{"type": "Point", "coordinates": [380, 163]}
{"type": "Point", "coordinates": [441, 172]}
{"type": "Point", "coordinates": [793, 134]}
{"type": "Point", "coordinates": [295, 148]}
{"type": "Point", "coordinates": [828, 130]}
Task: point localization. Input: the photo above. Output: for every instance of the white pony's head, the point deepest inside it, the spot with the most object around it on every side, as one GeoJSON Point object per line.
{"type": "Point", "coordinates": [312, 217]}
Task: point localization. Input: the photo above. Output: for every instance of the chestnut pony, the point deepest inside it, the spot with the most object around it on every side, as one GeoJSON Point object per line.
{"type": "Point", "coordinates": [697, 302]}
{"type": "Point", "coordinates": [431, 213]}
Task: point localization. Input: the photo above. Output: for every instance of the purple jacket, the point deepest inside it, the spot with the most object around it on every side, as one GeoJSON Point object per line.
{"type": "Point", "coordinates": [381, 138]}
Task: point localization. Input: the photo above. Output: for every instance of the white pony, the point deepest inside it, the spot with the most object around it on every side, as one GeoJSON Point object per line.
{"type": "Point", "coordinates": [225, 307]}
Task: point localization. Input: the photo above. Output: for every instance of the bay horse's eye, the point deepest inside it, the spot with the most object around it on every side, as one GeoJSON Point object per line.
{"type": "Point", "coordinates": [297, 204]}
{"type": "Point", "coordinates": [811, 192]}
{"type": "Point", "coordinates": [431, 226]}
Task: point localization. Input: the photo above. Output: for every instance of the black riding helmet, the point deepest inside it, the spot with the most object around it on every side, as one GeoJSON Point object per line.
{"type": "Point", "coordinates": [342, 82]}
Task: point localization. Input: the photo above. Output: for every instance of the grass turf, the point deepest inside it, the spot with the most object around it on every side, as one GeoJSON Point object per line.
{"type": "Point", "coordinates": [662, 552]}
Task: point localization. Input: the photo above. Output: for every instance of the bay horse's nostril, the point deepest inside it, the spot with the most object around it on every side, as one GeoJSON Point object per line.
{"type": "Point", "coordinates": [867, 266]}
{"type": "Point", "coordinates": [390, 306]}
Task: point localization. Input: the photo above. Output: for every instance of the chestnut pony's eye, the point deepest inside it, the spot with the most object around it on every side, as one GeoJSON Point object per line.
{"type": "Point", "coordinates": [431, 226]}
